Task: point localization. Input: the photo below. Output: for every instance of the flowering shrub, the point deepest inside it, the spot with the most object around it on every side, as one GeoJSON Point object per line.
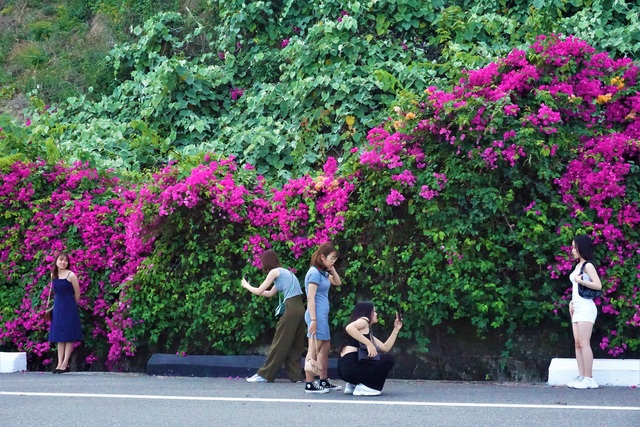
{"type": "Point", "coordinates": [52, 208]}
{"type": "Point", "coordinates": [212, 226]}
{"type": "Point", "coordinates": [153, 260]}
{"type": "Point", "coordinates": [468, 194]}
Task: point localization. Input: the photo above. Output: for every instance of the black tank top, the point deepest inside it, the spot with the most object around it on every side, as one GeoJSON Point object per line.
{"type": "Point", "coordinates": [354, 342]}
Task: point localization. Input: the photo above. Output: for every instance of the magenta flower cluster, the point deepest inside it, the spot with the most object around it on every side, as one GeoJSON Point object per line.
{"type": "Point", "coordinates": [236, 93]}
{"type": "Point", "coordinates": [281, 214]}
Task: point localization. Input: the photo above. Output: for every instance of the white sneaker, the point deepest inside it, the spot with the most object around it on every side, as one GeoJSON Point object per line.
{"type": "Point", "coordinates": [256, 379]}
{"type": "Point", "coordinates": [590, 382]}
{"type": "Point", "coordinates": [585, 383]}
{"type": "Point", "coordinates": [573, 382]}
{"type": "Point", "coordinates": [363, 390]}
{"type": "Point", "coordinates": [348, 388]}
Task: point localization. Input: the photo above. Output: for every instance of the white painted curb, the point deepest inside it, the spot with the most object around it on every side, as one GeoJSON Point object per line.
{"type": "Point", "coordinates": [612, 372]}
{"type": "Point", "coordinates": [13, 362]}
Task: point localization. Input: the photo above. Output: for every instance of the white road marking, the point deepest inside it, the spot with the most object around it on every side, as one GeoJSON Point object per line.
{"type": "Point", "coordinates": [374, 401]}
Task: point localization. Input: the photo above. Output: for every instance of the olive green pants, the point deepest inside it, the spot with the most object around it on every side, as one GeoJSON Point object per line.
{"type": "Point", "coordinates": [288, 343]}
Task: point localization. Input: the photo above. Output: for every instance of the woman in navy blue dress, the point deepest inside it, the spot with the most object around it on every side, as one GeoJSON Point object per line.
{"type": "Point", "coordinates": [65, 320]}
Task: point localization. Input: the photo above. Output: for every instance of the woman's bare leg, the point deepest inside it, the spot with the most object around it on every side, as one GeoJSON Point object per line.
{"type": "Point", "coordinates": [61, 349]}
{"type": "Point", "coordinates": [68, 349]}
{"type": "Point", "coordinates": [584, 353]}
{"type": "Point", "coordinates": [325, 348]}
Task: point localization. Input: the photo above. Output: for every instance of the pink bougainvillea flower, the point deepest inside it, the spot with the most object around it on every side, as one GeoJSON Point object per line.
{"type": "Point", "coordinates": [395, 198]}
{"type": "Point", "coordinates": [236, 93]}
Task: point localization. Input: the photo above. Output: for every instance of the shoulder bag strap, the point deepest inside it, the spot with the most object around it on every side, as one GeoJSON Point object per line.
{"type": "Point", "coordinates": [286, 294]}
{"type": "Point", "coordinates": [290, 286]}
{"type": "Point", "coordinates": [370, 331]}
{"type": "Point", "coordinates": [49, 297]}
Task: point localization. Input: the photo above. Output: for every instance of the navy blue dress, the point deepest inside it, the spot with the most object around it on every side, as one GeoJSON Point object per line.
{"type": "Point", "coordinates": [65, 321]}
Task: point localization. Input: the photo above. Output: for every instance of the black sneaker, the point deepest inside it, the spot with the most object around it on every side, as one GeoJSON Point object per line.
{"type": "Point", "coordinates": [327, 384]}
{"type": "Point", "coordinates": [312, 387]}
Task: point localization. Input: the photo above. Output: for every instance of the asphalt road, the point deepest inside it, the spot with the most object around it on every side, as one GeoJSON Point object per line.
{"type": "Point", "coordinates": [111, 399]}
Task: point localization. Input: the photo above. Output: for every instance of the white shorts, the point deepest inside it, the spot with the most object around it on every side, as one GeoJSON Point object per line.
{"type": "Point", "coordinates": [584, 310]}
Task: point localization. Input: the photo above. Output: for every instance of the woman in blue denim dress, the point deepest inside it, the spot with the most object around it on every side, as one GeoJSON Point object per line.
{"type": "Point", "coordinates": [319, 279]}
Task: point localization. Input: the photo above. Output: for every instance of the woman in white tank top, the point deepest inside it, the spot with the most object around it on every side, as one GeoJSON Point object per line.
{"type": "Point", "coordinates": [583, 311]}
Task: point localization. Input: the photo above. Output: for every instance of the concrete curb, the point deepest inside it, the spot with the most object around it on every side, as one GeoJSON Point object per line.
{"type": "Point", "coordinates": [613, 372]}
{"type": "Point", "coordinates": [214, 366]}
{"type": "Point", "coordinates": [13, 362]}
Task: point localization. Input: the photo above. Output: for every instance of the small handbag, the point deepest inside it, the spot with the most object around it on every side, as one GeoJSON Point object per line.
{"type": "Point", "coordinates": [584, 291]}
{"type": "Point", "coordinates": [311, 365]}
{"type": "Point", "coordinates": [48, 312]}
{"type": "Point", "coordinates": [363, 354]}
{"type": "Point", "coordinates": [281, 302]}
{"type": "Point", "coordinates": [280, 308]}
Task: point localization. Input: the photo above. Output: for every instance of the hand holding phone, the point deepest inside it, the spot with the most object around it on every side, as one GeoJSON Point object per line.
{"type": "Point", "coordinates": [397, 324]}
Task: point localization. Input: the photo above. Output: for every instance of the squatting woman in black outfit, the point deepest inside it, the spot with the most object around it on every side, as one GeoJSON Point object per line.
{"type": "Point", "coordinates": [366, 378]}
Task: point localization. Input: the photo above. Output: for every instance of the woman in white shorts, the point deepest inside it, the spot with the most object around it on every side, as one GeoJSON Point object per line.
{"type": "Point", "coordinates": [583, 311]}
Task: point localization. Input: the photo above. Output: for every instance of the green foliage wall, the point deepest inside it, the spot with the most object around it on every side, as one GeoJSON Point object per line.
{"type": "Point", "coordinates": [276, 84]}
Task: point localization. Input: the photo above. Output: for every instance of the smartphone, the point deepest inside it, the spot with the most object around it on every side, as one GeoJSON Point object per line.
{"type": "Point", "coordinates": [399, 312]}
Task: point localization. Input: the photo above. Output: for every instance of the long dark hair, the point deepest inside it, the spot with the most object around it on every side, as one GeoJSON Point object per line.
{"type": "Point", "coordinates": [362, 309]}
{"type": "Point", "coordinates": [54, 267]}
{"type": "Point", "coordinates": [269, 260]}
{"type": "Point", "coordinates": [324, 249]}
{"type": "Point", "coordinates": [584, 245]}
